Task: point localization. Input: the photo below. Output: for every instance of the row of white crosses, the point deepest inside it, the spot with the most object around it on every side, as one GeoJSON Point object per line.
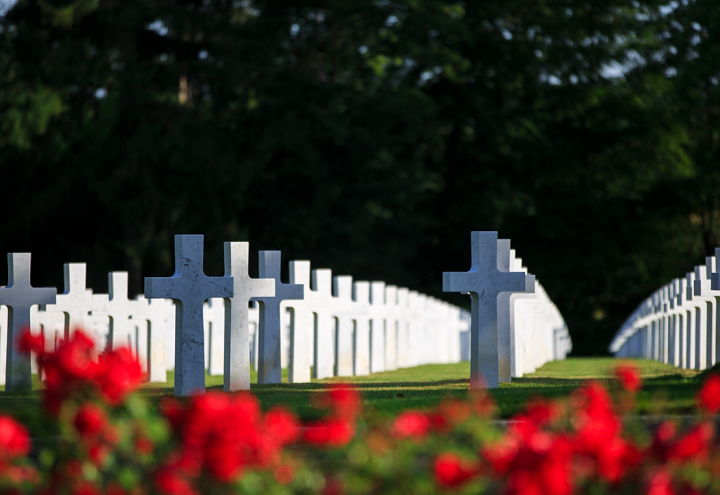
{"type": "Point", "coordinates": [678, 323]}
{"type": "Point", "coordinates": [227, 324]}
{"type": "Point", "coordinates": [332, 325]}
{"type": "Point", "coordinates": [515, 327]}
{"type": "Point", "coordinates": [335, 325]}
{"type": "Point", "coordinates": [112, 319]}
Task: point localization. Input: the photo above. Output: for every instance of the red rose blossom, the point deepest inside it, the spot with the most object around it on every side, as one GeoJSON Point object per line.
{"type": "Point", "coordinates": [411, 424]}
{"type": "Point", "coordinates": [90, 420]}
{"type": "Point", "coordinates": [629, 377]}
{"type": "Point", "coordinates": [708, 399]}
{"type": "Point", "coordinates": [331, 432]}
{"type": "Point", "coordinates": [451, 471]}
{"type": "Point", "coordinates": [14, 438]}
{"type": "Point", "coordinates": [120, 374]}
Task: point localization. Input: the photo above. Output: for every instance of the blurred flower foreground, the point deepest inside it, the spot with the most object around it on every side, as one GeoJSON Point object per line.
{"type": "Point", "coordinates": [101, 437]}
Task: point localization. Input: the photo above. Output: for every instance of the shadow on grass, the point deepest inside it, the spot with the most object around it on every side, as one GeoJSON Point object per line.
{"type": "Point", "coordinates": [669, 392]}
{"type": "Point", "coordinates": [560, 382]}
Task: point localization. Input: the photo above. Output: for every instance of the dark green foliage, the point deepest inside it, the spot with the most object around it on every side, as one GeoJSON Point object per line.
{"type": "Point", "coordinates": [368, 137]}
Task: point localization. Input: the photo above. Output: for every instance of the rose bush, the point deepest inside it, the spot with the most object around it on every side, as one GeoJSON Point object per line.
{"type": "Point", "coordinates": [101, 437]}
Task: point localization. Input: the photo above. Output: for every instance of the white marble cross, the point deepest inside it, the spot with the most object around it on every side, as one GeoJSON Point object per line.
{"type": "Point", "coordinates": [3, 341]}
{"type": "Point", "coordinates": [708, 313]}
{"type": "Point", "coordinates": [344, 344]}
{"type": "Point", "coordinates": [313, 323]}
{"type": "Point", "coordinates": [361, 296]}
{"type": "Point", "coordinates": [215, 320]}
{"type": "Point", "coordinates": [140, 333]}
{"type": "Point", "coordinates": [237, 342]}
{"type": "Point", "coordinates": [403, 319]}
{"type": "Point", "coordinates": [76, 302]}
{"type": "Point", "coordinates": [120, 309]}
{"type": "Point", "coordinates": [391, 327]}
{"type": "Point", "coordinates": [285, 322]}
{"type": "Point", "coordinates": [161, 312]}
{"type": "Point", "coordinates": [518, 340]}
{"type": "Point", "coordinates": [324, 305]}
{"type": "Point", "coordinates": [687, 323]}
{"type": "Point", "coordinates": [377, 327]}
{"type": "Point", "coordinates": [506, 304]}
{"type": "Point", "coordinates": [98, 327]}
{"type": "Point", "coordinates": [698, 306]}
{"type": "Point", "coordinates": [674, 340]}
{"type": "Point", "coordinates": [253, 323]}
{"type": "Point", "coordinates": [269, 370]}
{"type": "Point", "coordinates": [485, 282]}
{"type": "Point", "coordinates": [18, 296]}
{"type": "Point", "coordinates": [189, 287]}
{"type": "Point", "coordinates": [49, 324]}
{"type": "Point", "coordinates": [301, 324]}
{"type": "Point", "coordinates": [416, 327]}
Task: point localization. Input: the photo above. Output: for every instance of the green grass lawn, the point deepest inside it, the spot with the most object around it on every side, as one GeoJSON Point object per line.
{"type": "Point", "coordinates": [666, 390]}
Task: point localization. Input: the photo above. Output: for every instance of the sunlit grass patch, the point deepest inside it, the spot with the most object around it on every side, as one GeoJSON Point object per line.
{"type": "Point", "coordinates": [666, 389]}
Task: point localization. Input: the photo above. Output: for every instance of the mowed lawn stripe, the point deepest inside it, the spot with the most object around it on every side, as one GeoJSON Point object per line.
{"type": "Point", "coordinates": [666, 390]}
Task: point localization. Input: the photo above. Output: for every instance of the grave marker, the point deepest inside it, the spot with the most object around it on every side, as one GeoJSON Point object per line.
{"type": "Point", "coordinates": [485, 282]}
{"type": "Point", "coordinates": [503, 315]}
{"type": "Point", "coordinates": [403, 359]}
{"type": "Point", "coordinates": [140, 333]}
{"type": "Point", "coordinates": [3, 341]}
{"type": "Point", "coordinates": [324, 306]}
{"type": "Point", "coordinates": [698, 306]}
{"type": "Point", "coordinates": [120, 309]}
{"type": "Point", "coordinates": [377, 327]}
{"type": "Point", "coordinates": [161, 313]}
{"type": "Point", "coordinates": [704, 292]}
{"type": "Point", "coordinates": [269, 370]}
{"type": "Point", "coordinates": [18, 296]}
{"type": "Point", "coordinates": [391, 327]}
{"type": "Point", "coordinates": [361, 296]}
{"type": "Point", "coordinates": [51, 325]}
{"type": "Point", "coordinates": [189, 287]}
{"type": "Point", "coordinates": [215, 316]}
{"type": "Point", "coordinates": [343, 288]}
{"type": "Point", "coordinates": [301, 325]}
{"type": "Point", "coordinates": [237, 356]}
{"type": "Point", "coordinates": [517, 338]}
{"type": "Point", "coordinates": [77, 301]}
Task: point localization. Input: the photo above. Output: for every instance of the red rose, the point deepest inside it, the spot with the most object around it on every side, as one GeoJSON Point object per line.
{"type": "Point", "coordinates": [120, 374]}
{"type": "Point", "coordinates": [345, 400]}
{"type": "Point", "coordinates": [411, 424]}
{"type": "Point", "coordinates": [98, 454]}
{"type": "Point", "coordinates": [331, 432]}
{"type": "Point", "coordinates": [281, 425]}
{"type": "Point", "coordinates": [694, 445]}
{"type": "Point", "coordinates": [660, 484]}
{"type": "Point", "coordinates": [451, 471]}
{"type": "Point", "coordinates": [170, 482]}
{"type": "Point", "coordinates": [90, 420]}
{"type": "Point", "coordinates": [708, 399]}
{"type": "Point", "coordinates": [629, 377]}
{"type": "Point", "coordinates": [14, 438]}
{"type": "Point", "coordinates": [86, 489]}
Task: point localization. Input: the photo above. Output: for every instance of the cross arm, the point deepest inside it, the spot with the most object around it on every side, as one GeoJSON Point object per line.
{"type": "Point", "coordinates": [162, 287]}
{"type": "Point", "coordinates": [222, 287]}
{"type": "Point", "coordinates": [458, 281]}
